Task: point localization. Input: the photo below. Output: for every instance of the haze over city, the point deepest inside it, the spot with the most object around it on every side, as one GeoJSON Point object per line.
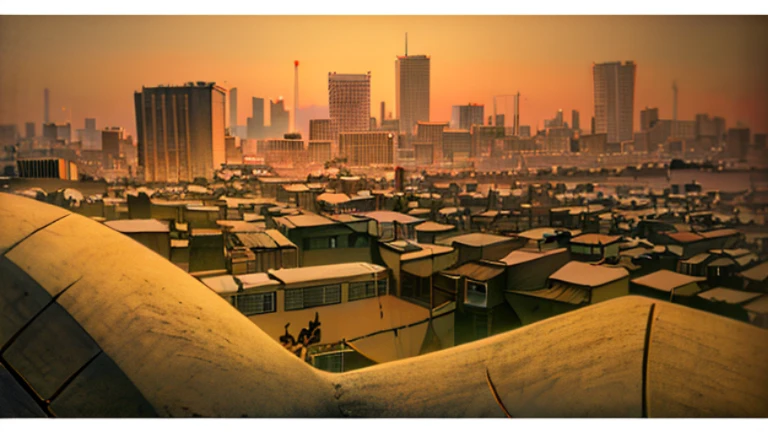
{"type": "Point", "coordinates": [92, 66]}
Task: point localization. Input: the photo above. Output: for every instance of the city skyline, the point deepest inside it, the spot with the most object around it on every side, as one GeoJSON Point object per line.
{"type": "Point", "coordinates": [716, 61]}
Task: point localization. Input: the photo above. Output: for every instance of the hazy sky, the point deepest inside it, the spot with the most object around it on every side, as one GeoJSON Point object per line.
{"type": "Point", "coordinates": [93, 64]}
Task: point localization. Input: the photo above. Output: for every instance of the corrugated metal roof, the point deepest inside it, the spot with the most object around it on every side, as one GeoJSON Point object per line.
{"type": "Point", "coordinates": [666, 280]}
{"type": "Point", "coordinates": [595, 239]}
{"type": "Point", "coordinates": [430, 226]}
{"type": "Point", "coordinates": [256, 240]}
{"type": "Point", "coordinates": [520, 256]}
{"type": "Point", "coordinates": [697, 259]}
{"type": "Point", "coordinates": [758, 273]}
{"type": "Point", "coordinates": [138, 226]}
{"type": "Point", "coordinates": [477, 239]}
{"type": "Point", "coordinates": [728, 295]}
{"type": "Point", "coordinates": [583, 274]}
{"type": "Point", "coordinates": [759, 306]}
{"type": "Point", "coordinates": [560, 293]}
{"type": "Point", "coordinates": [477, 270]}
{"type": "Point", "coordinates": [684, 237]}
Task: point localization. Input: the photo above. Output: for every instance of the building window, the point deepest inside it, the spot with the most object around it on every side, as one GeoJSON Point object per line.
{"type": "Point", "coordinates": [363, 290]}
{"type": "Point", "coordinates": [304, 298]}
{"type": "Point", "coordinates": [477, 294]}
{"type": "Point", "coordinates": [582, 250]}
{"type": "Point", "coordinates": [254, 304]}
{"type": "Point", "coordinates": [332, 242]}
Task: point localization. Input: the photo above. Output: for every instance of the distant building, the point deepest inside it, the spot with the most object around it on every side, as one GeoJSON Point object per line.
{"type": "Point", "coordinates": [90, 137]}
{"type": "Point", "coordinates": [525, 131]}
{"type": "Point", "coordinates": [483, 140]}
{"type": "Point", "coordinates": [110, 146]}
{"type": "Point", "coordinates": [349, 102]}
{"type": "Point", "coordinates": [412, 81]}
{"type": "Point", "coordinates": [58, 131]}
{"type": "Point", "coordinates": [9, 135]}
{"type": "Point", "coordinates": [642, 141]}
{"type": "Point", "coordinates": [432, 132]}
{"type": "Point", "coordinates": [279, 118]}
{"type": "Point", "coordinates": [558, 139]}
{"type": "Point", "coordinates": [466, 116]}
{"type": "Point", "coordinates": [290, 152]}
{"type": "Point", "coordinates": [191, 144]}
{"type": "Point", "coordinates": [47, 168]}
{"type": "Point", "coordinates": [232, 147]}
{"type": "Point", "coordinates": [320, 129]}
{"type": "Point", "coordinates": [593, 144]}
{"type": "Point", "coordinates": [255, 123]}
{"type": "Point", "coordinates": [614, 95]}
{"type": "Point", "coordinates": [648, 118]}
{"type": "Point", "coordinates": [30, 130]}
{"type": "Point", "coordinates": [556, 122]}
{"type": "Point", "coordinates": [457, 144]}
{"type": "Point", "coordinates": [367, 148]}
{"type": "Point", "coordinates": [232, 123]}
{"type": "Point", "coordinates": [575, 124]}
{"type": "Point", "coordinates": [372, 125]}
{"type": "Point", "coordinates": [760, 141]}
{"type": "Point", "coordinates": [737, 143]}
{"type": "Point", "coordinates": [392, 125]}
{"type": "Point", "coordinates": [319, 151]}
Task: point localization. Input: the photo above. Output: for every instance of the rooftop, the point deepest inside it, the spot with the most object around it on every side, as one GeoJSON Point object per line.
{"type": "Point", "coordinates": [583, 274]}
{"type": "Point", "coordinates": [521, 256]}
{"type": "Point", "coordinates": [430, 226]}
{"type": "Point", "coordinates": [476, 239]}
{"type": "Point", "coordinates": [304, 220]}
{"type": "Point", "coordinates": [325, 272]}
{"type": "Point", "coordinates": [758, 273]}
{"type": "Point", "coordinates": [595, 239]}
{"type": "Point", "coordinates": [479, 271]}
{"type": "Point", "coordinates": [666, 280]}
{"type": "Point", "coordinates": [383, 216]}
{"type": "Point", "coordinates": [728, 295]}
{"type": "Point", "coordinates": [138, 226]}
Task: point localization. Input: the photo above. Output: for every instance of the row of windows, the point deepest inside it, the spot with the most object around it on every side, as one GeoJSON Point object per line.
{"type": "Point", "coordinates": [304, 298]}
{"type": "Point", "coordinates": [351, 241]}
{"type": "Point", "coordinates": [363, 290]}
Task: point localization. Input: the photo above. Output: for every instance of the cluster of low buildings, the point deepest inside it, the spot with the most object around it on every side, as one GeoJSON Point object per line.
{"type": "Point", "coordinates": [348, 271]}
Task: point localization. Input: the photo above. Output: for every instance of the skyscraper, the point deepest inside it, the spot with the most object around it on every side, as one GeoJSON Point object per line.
{"type": "Point", "coordinates": [232, 108]}
{"type": "Point", "coordinates": [46, 106]}
{"type": "Point", "coordinates": [279, 122]}
{"type": "Point", "coordinates": [255, 123]}
{"type": "Point", "coordinates": [349, 102]}
{"type": "Point", "coordinates": [29, 128]}
{"type": "Point", "coordinates": [648, 118]}
{"type": "Point", "coordinates": [180, 131]}
{"type": "Point", "coordinates": [614, 90]}
{"type": "Point", "coordinates": [575, 125]}
{"type": "Point", "coordinates": [464, 116]}
{"type": "Point", "coordinates": [411, 90]}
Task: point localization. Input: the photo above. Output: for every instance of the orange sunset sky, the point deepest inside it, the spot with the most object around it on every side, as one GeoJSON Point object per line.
{"type": "Point", "coordinates": [93, 64]}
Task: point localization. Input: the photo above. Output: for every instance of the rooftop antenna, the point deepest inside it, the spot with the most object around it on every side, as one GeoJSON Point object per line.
{"type": "Point", "coordinates": [406, 44]}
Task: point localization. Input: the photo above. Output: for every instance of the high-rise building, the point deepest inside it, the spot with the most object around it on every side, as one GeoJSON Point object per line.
{"type": "Point", "coordinates": [412, 90]}
{"type": "Point", "coordinates": [466, 116]}
{"type": "Point", "coordinates": [525, 131]}
{"type": "Point", "coordinates": [255, 123]}
{"type": "Point", "coordinates": [432, 133]}
{"type": "Point", "coordinates": [556, 122]}
{"type": "Point", "coordinates": [29, 129]}
{"type": "Point", "coordinates": [381, 115]}
{"type": "Point", "coordinates": [90, 137]}
{"type": "Point", "coordinates": [57, 131]}
{"type": "Point", "coordinates": [180, 131]}
{"type": "Point", "coordinates": [349, 102]}
{"type": "Point", "coordinates": [320, 130]}
{"type": "Point", "coordinates": [232, 149]}
{"type": "Point", "coordinates": [232, 108]}
{"type": "Point", "coordinates": [648, 118]}
{"type": "Point", "coordinates": [575, 124]}
{"type": "Point", "coordinates": [364, 149]}
{"type": "Point", "coordinates": [280, 119]}
{"type": "Point", "coordinates": [90, 123]}
{"type": "Point", "coordinates": [593, 144]}
{"type": "Point", "coordinates": [46, 106]}
{"type": "Point", "coordinates": [614, 90]}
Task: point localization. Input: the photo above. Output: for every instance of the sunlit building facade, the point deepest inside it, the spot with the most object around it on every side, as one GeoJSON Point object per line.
{"type": "Point", "coordinates": [180, 131]}
{"type": "Point", "coordinates": [614, 90]}
{"type": "Point", "coordinates": [362, 149]}
{"type": "Point", "coordinates": [349, 102]}
{"type": "Point", "coordinates": [412, 91]}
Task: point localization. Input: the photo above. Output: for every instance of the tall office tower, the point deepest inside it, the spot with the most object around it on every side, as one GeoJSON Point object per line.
{"type": "Point", "coordinates": [256, 121]}
{"type": "Point", "coordinates": [349, 102]}
{"type": "Point", "coordinates": [9, 134]}
{"type": "Point", "coordinates": [180, 131]}
{"type": "Point", "coordinates": [648, 118]}
{"type": "Point", "coordinates": [465, 116]}
{"type": "Point", "coordinates": [760, 141]}
{"type": "Point", "coordinates": [411, 90]}
{"type": "Point", "coordinates": [232, 108]}
{"type": "Point", "coordinates": [46, 106]}
{"type": "Point", "coordinates": [90, 123]}
{"type": "Point", "coordinates": [575, 125]}
{"type": "Point", "coordinates": [499, 121]}
{"type": "Point", "coordinates": [614, 90]}
{"type": "Point", "coordinates": [29, 128]}
{"type": "Point", "coordinates": [279, 123]}
{"type": "Point", "coordinates": [555, 122]}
